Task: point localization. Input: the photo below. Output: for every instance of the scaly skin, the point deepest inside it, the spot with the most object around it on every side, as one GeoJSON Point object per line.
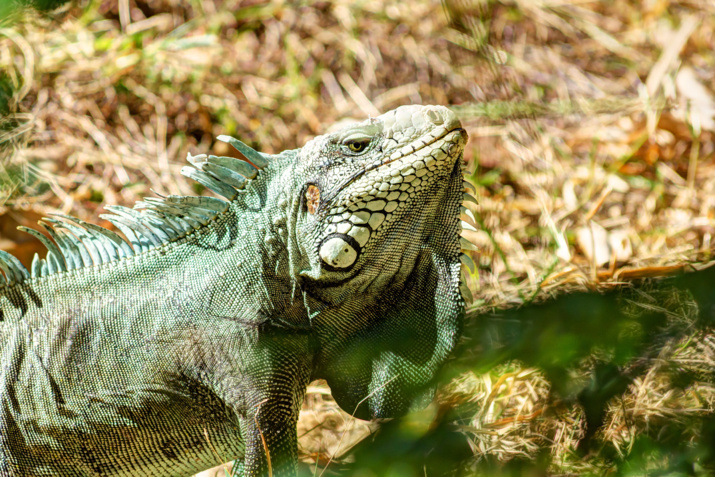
{"type": "Point", "coordinates": [340, 260]}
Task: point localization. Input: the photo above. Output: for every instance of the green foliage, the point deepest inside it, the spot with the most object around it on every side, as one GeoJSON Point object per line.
{"type": "Point", "coordinates": [11, 10]}
{"type": "Point", "coordinates": [6, 93]}
{"type": "Point", "coordinates": [414, 447]}
{"type": "Point", "coordinates": [18, 179]}
{"type": "Point", "coordinates": [591, 347]}
{"type": "Point", "coordinates": [45, 5]}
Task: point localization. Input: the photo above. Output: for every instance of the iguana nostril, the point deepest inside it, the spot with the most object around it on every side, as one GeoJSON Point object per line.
{"type": "Point", "coordinates": [435, 117]}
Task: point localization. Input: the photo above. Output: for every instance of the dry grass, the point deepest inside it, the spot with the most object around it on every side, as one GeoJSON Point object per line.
{"type": "Point", "coordinates": [591, 150]}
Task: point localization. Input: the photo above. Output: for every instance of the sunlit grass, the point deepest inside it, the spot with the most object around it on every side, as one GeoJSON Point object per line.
{"type": "Point", "coordinates": [578, 113]}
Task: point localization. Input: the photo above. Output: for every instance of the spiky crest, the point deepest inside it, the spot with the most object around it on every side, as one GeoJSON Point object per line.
{"type": "Point", "coordinates": [74, 243]}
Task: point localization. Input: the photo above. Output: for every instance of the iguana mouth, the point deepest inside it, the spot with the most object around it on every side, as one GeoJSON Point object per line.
{"type": "Point", "coordinates": [416, 146]}
{"type": "Point", "coordinates": [453, 138]}
{"type": "Point", "coordinates": [410, 149]}
{"type": "Point", "coordinates": [407, 150]}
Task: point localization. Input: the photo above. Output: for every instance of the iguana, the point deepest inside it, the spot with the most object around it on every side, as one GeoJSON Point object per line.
{"type": "Point", "coordinates": [193, 340]}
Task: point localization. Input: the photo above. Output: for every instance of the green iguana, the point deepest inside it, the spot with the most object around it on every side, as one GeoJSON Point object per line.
{"type": "Point", "coordinates": [194, 339]}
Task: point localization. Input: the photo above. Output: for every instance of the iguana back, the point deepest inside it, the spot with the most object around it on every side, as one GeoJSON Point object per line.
{"type": "Point", "coordinates": [192, 342]}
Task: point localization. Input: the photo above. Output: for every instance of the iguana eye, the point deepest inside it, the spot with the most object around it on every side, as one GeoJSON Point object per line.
{"type": "Point", "coordinates": [357, 143]}
{"type": "Point", "coordinates": [357, 146]}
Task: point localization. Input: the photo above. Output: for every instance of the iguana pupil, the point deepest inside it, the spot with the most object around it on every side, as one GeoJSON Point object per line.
{"type": "Point", "coordinates": [357, 146]}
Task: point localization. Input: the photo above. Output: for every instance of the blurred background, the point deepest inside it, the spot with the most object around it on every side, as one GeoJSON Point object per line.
{"type": "Point", "coordinates": [591, 150]}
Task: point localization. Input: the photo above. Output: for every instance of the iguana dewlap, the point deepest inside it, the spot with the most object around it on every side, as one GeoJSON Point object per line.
{"type": "Point", "coordinates": [192, 341]}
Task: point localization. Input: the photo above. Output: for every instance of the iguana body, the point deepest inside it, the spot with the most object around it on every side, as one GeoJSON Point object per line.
{"type": "Point", "coordinates": [339, 260]}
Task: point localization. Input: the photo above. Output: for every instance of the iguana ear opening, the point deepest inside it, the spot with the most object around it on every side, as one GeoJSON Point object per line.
{"type": "Point", "coordinates": [388, 368]}
{"type": "Point", "coordinates": [310, 198]}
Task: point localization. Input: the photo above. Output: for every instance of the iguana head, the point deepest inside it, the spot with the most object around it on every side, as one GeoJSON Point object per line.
{"type": "Point", "coordinates": [378, 225]}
